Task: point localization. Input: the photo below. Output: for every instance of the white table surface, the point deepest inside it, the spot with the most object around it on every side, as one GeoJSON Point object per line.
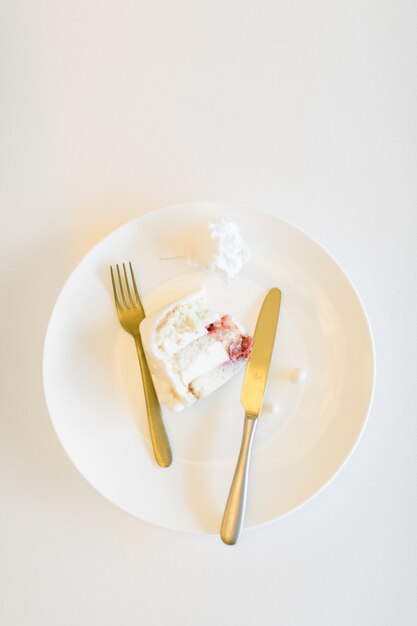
{"type": "Point", "coordinates": [111, 109]}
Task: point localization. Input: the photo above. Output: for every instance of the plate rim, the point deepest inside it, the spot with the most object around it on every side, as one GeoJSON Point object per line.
{"type": "Point", "coordinates": [298, 229]}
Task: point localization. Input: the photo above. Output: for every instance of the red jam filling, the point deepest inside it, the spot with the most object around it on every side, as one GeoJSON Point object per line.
{"type": "Point", "coordinates": [237, 349]}
{"type": "Point", "coordinates": [241, 349]}
{"type": "Point", "coordinates": [225, 323]}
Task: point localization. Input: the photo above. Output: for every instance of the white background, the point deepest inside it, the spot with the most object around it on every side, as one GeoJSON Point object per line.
{"type": "Point", "coordinates": [110, 109]}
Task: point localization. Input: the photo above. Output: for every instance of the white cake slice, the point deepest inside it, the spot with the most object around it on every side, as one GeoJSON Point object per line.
{"type": "Point", "coordinates": [191, 350]}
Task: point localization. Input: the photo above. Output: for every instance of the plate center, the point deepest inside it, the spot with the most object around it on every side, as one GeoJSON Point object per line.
{"type": "Point", "coordinates": [210, 430]}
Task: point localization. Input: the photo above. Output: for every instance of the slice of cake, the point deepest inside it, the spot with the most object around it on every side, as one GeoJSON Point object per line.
{"type": "Point", "coordinates": [191, 350]}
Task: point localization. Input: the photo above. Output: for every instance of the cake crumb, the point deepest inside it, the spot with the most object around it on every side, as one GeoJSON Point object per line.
{"type": "Point", "coordinates": [271, 407]}
{"type": "Point", "coordinates": [298, 375]}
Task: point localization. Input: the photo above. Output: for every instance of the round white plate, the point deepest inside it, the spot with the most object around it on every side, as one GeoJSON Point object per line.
{"type": "Point", "coordinates": [94, 392]}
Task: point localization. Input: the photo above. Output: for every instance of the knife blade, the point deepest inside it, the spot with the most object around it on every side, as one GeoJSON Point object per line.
{"type": "Point", "coordinates": [263, 343]}
{"type": "Point", "coordinates": [252, 396]}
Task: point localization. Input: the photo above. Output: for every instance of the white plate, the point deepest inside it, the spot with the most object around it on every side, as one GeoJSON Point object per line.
{"type": "Point", "coordinates": [94, 393]}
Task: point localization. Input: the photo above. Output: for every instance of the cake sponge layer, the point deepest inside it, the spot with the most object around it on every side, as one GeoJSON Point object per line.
{"type": "Point", "coordinates": [192, 350]}
{"type": "Point", "coordinates": [181, 323]}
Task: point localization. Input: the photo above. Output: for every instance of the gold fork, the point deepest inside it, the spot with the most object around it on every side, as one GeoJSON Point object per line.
{"type": "Point", "coordinates": [131, 313]}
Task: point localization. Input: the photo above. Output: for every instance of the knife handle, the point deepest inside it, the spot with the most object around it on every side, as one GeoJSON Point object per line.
{"type": "Point", "coordinates": [234, 513]}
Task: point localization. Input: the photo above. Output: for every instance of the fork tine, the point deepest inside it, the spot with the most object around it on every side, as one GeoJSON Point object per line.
{"type": "Point", "coordinates": [116, 295]}
{"type": "Point", "coordinates": [129, 293]}
{"type": "Point", "coordinates": [122, 293]}
{"type": "Point", "coordinates": [135, 289]}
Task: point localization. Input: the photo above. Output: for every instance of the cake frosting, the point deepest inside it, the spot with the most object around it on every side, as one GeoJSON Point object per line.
{"type": "Point", "coordinates": [218, 246]}
{"type": "Point", "coordinates": [192, 350]}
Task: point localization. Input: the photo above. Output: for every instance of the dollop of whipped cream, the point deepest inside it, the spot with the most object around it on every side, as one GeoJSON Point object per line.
{"type": "Point", "coordinates": [218, 247]}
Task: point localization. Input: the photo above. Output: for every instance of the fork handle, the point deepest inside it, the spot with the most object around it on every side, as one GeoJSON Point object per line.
{"type": "Point", "coordinates": [159, 437]}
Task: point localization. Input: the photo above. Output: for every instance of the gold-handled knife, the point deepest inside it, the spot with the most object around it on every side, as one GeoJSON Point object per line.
{"type": "Point", "coordinates": [252, 398]}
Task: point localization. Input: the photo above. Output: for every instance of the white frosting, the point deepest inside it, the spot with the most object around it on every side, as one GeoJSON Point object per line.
{"type": "Point", "coordinates": [218, 247]}
{"type": "Point", "coordinates": [199, 357]}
